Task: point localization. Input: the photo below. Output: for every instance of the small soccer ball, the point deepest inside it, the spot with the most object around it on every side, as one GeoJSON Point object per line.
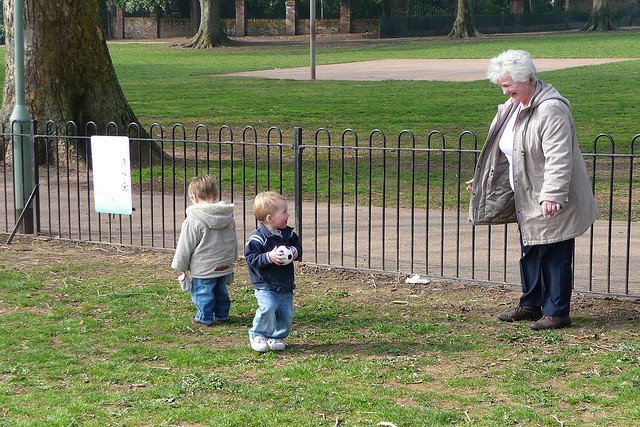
{"type": "Point", "coordinates": [288, 255]}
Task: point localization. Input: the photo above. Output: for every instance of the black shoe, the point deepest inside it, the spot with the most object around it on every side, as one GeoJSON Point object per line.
{"type": "Point", "coordinates": [521, 313]}
{"type": "Point", "coordinates": [552, 322]}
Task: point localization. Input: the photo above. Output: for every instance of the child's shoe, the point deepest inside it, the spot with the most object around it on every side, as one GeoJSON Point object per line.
{"type": "Point", "coordinates": [259, 344]}
{"type": "Point", "coordinates": [276, 344]}
{"type": "Point", "coordinates": [197, 322]}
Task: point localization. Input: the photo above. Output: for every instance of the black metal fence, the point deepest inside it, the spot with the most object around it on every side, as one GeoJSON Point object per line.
{"type": "Point", "coordinates": [439, 24]}
{"type": "Point", "coordinates": [371, 203]}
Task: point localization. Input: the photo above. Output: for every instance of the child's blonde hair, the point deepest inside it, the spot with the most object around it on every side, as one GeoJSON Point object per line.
{"type": "Point", "coordinates": [203, 187]}
{"type": "Point", "coordinates": [267, 202]}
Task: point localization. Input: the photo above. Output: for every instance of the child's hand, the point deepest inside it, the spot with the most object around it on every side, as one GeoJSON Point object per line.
{"type": "Point", "coordinates": [185, 281]}
{"type": "Point", "coordinates": [276, 257]}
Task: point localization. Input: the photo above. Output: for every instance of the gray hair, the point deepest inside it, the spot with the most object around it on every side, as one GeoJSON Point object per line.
{"type": "Point", "coordinates": [516, 64]}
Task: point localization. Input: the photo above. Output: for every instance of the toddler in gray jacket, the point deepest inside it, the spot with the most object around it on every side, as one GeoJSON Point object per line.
{"type": "Point", "coordinates": [207, 248]}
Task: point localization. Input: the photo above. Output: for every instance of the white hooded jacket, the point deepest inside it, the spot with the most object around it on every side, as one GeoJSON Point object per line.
{"type": "Point", "coordinates": [207, 245]}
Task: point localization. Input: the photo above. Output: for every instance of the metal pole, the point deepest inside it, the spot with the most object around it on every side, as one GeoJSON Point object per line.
{"type": "Point", "coordinates": [297, 146]}
{"type": "Point", "coordinates": [312, 39]}
{"type": "Point", "coordinates": [21, 127]}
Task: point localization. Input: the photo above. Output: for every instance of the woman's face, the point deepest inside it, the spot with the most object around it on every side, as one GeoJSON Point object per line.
{"type": "Point", "coordinates": [518, 91]}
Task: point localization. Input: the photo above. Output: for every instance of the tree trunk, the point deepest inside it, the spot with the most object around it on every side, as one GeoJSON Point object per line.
{"type": "Point", "coordinates": [463, 27]}
{"type": "Point", "coordinates": [600, 19]}
{"type": "Point", "coordinates": [69, 75]}
{"type": "Point", "coordinates": [210, 33]}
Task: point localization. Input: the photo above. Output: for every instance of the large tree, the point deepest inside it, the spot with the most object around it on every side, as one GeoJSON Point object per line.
{"type": "Point", "coordinates": [69, 75]}
{"type": "Point", "coordinates": [463, 26]}
{"type": "Point", "coordinates": [211, 32]}
{"type": "Point", "coordinates": [600, 19]}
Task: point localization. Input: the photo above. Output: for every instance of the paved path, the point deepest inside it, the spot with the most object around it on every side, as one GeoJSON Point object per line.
{"type": "Point", "coordinates": [415, 241]}
{"type": "Point", "coordinates": [413, 69]}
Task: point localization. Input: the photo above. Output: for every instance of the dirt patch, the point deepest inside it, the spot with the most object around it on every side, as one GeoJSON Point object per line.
{"type": "Point", "coordinates": [453, 299]}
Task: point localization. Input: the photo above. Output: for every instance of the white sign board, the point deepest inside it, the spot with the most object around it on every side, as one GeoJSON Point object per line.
{"type": "Point", "coordinates": [111, 174]}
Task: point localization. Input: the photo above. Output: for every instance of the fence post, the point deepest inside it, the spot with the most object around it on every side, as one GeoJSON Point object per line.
{"type": "Point", "coordinates": [36, 175]}
{"type": "Point", "coordinates": [297, 148]}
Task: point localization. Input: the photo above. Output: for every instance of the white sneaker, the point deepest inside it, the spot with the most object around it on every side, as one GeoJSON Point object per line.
{"type": "Point", "coordinates": [276, 344]}
{"type": "Point", "coordinates": [258, 343]}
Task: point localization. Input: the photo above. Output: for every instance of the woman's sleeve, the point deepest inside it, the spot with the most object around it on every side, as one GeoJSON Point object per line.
{"type": "Point", "coordinates": [557, 134]}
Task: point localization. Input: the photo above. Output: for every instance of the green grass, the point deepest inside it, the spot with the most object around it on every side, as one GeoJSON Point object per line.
{"type": "Point", "coordinates": [603, 96]}
{"type": "Point", "coordinates": [98, 336]}
{"type": "Point", "coordinates": [167, 84]}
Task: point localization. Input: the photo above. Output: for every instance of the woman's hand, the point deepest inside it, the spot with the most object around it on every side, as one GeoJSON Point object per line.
{"type": "Point", "coordinates": [469, 184]}
{"type": "Point", "coordinates": [550, 208]}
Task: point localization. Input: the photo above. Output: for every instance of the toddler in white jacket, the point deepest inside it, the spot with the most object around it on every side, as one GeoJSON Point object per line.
{"type": "Point", "coordinates": [207, 248]}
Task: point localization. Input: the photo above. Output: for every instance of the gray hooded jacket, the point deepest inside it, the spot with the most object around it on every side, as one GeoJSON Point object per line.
{"type": "Point", "coordinates": [207, 245]}
{"type": "Point", "coordinates": [547, 165]}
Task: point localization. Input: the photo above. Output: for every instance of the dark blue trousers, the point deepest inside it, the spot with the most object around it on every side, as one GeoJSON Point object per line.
{"type": "Point", "coordinates": [546, 272]}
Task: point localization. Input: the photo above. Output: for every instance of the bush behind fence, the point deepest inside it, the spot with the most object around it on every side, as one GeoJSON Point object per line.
{"type": "Point", "coordinates": [369, 202]}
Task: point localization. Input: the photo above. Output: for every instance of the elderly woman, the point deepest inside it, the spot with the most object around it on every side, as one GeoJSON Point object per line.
{"type": "Point", "coordinates": [531, 172]}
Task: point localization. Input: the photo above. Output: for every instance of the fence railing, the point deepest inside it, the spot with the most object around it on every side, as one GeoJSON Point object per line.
{"type": "Point", "coordinates": [487, 22]}
{"type": "Point", "coordinates": [372, 203]}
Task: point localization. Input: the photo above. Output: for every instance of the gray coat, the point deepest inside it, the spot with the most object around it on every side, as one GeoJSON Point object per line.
{"type": "Point", "coordinates": [207, 245]}
{"type": "Point", "coordinates": [547, 165]}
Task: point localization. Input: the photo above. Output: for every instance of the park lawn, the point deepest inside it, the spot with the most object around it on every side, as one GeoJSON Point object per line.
{"type": "Point", "coordinates": [167, 84]}
{"type": "Point", "coordinates": [192, 91]}
{"type": "Point", "coordinates": [94, 335]}
{"type": "Point", "coordinates": [99, 335]}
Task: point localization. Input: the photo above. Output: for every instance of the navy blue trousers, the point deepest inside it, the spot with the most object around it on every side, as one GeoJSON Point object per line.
{"type": "Point", "coordinates": [546, 272]}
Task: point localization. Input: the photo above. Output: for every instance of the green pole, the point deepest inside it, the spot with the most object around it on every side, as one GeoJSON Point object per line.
{"type": "Point", "coordinates": [312, 37]}
{"type": "Point", "coordinates": [20, 120]}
